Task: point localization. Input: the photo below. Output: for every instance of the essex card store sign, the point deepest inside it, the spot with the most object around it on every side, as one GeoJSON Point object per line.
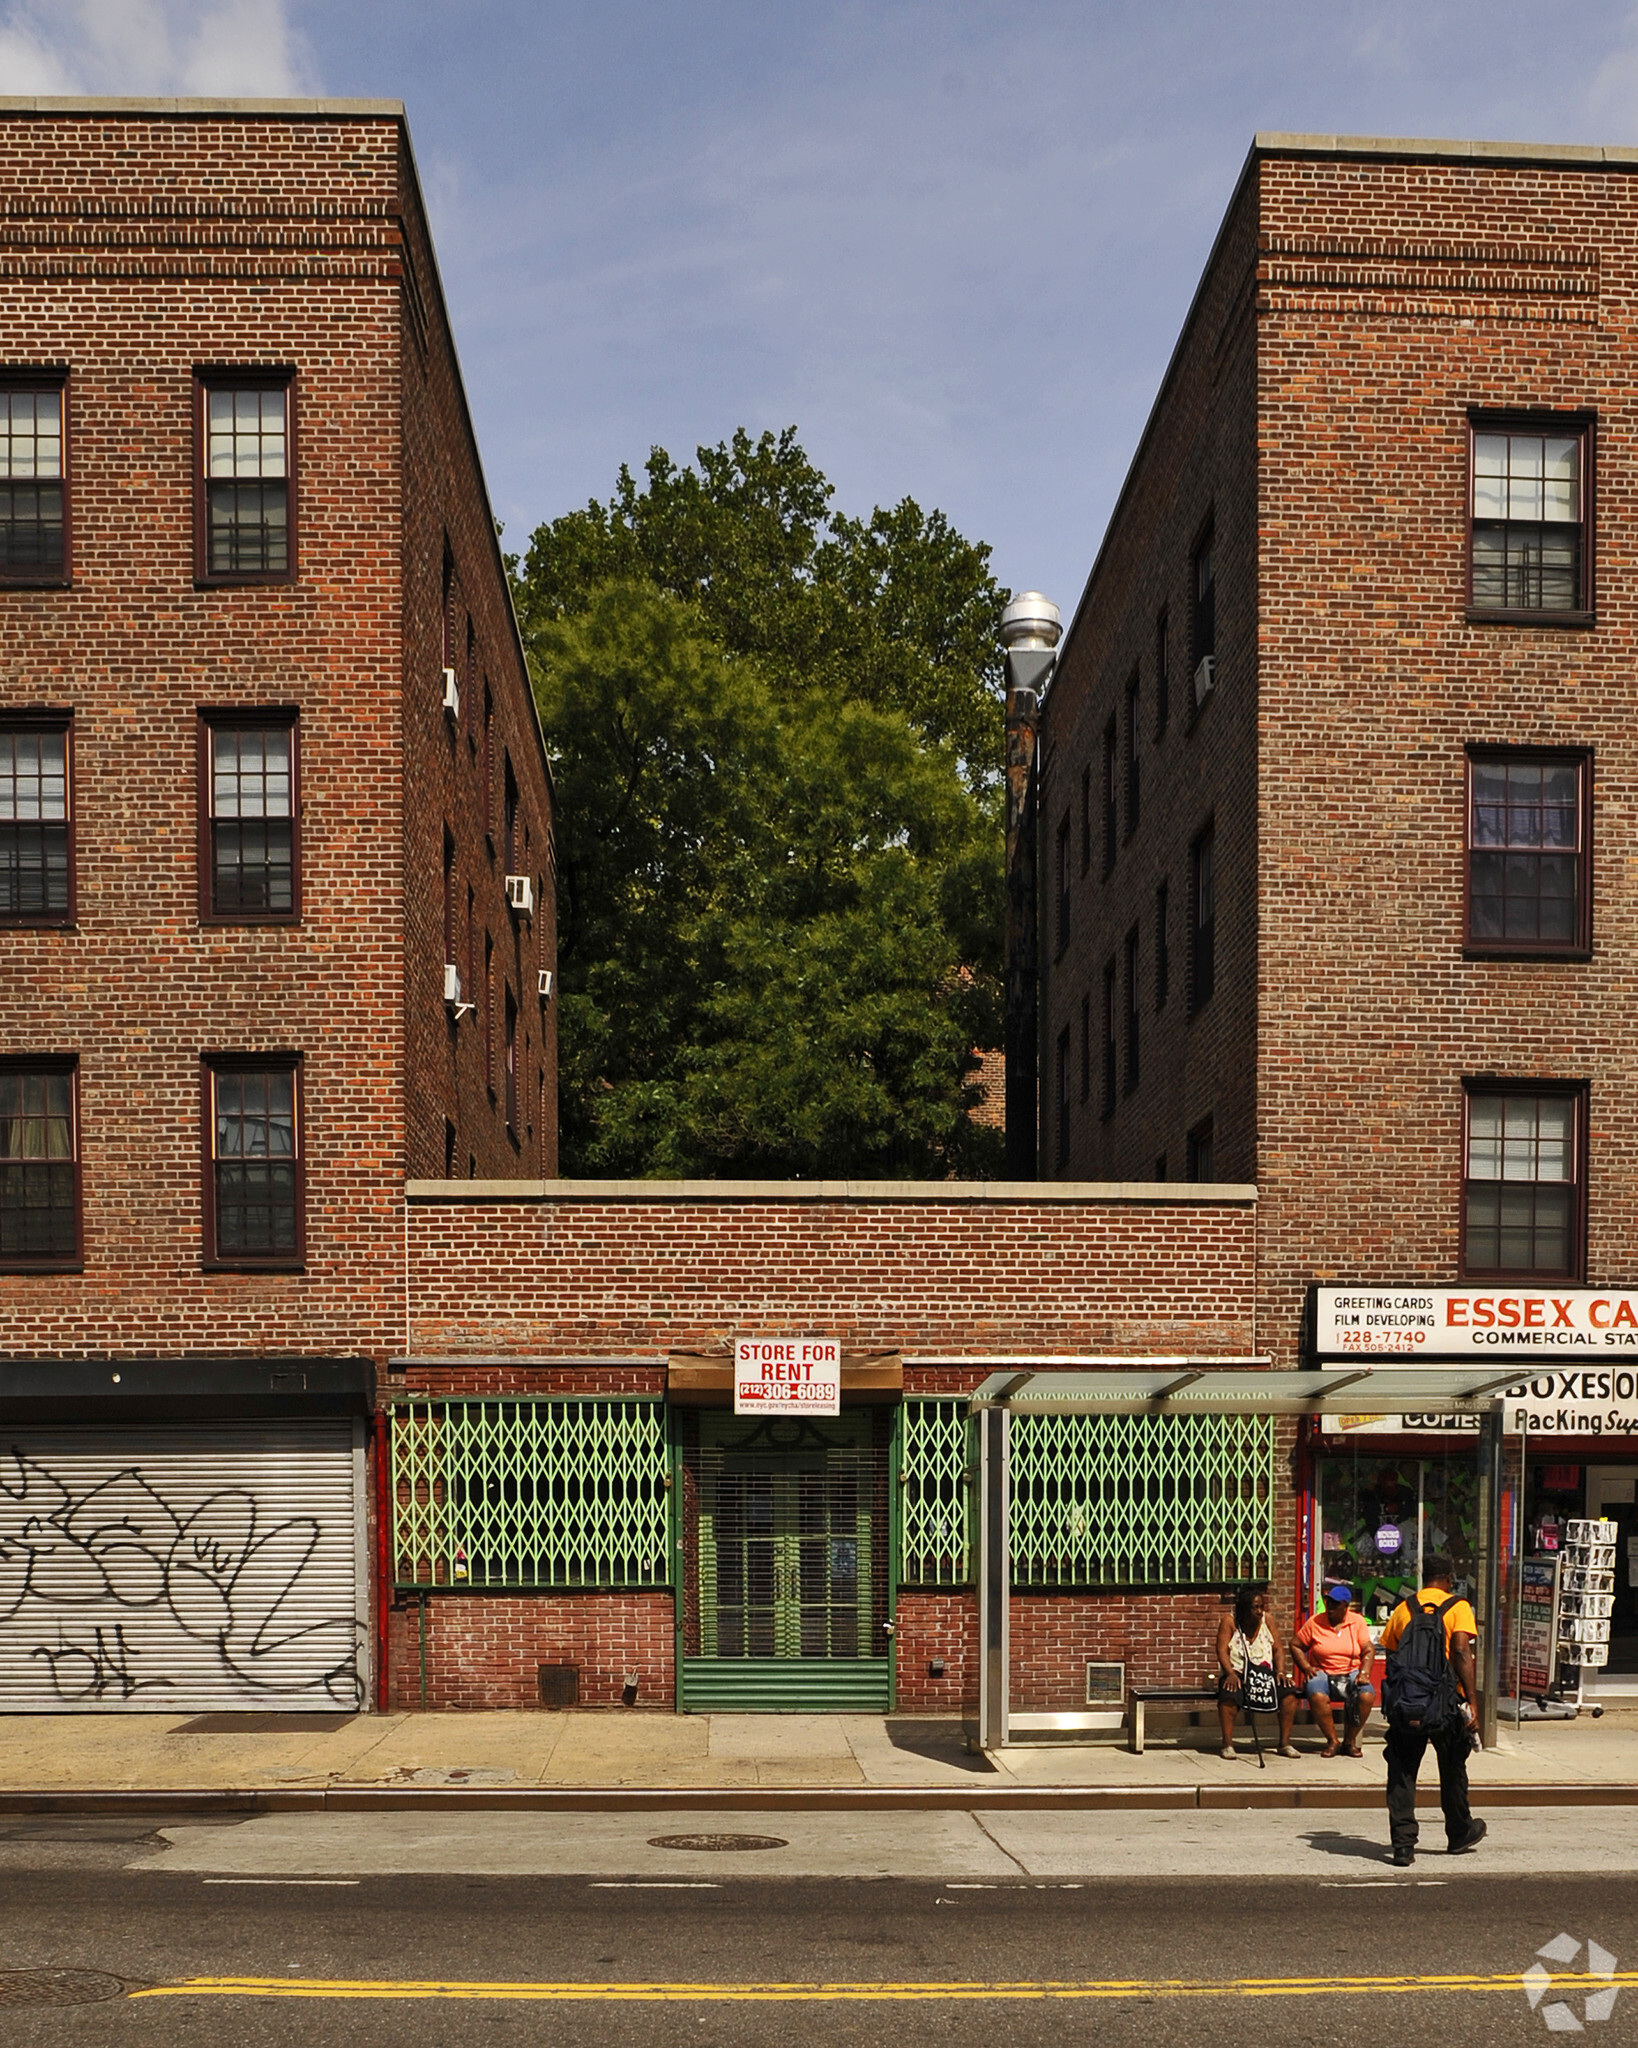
{"type": "Point", "coordinates": [1577, 1347]}
{"type": "Point", "coordinates": [787, 1376]}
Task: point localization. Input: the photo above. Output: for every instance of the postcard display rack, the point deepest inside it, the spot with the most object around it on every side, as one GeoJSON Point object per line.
{"type": "Point", "coordinates": [1586, 1601]}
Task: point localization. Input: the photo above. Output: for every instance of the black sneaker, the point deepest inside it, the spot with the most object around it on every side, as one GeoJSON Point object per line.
{"type": "Point", "coordinates": [1471, 1840]}
{"type": "Point", "coordinates": [1403, 1858]}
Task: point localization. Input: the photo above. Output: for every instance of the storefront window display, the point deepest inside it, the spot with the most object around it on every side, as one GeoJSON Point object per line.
{"type": "Point", "coordinates": [1378, 1517]}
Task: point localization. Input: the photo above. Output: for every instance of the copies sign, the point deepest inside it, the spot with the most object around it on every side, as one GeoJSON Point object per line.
{"type": "Point", "coordinates": [787, 1376]}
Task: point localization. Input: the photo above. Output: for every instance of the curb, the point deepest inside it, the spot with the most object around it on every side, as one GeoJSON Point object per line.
{"type": "Point", "coordinates": [252, 1801]}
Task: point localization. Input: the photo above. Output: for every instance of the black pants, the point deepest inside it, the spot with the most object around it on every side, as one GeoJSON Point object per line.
{"type": "Point", "coordinates": [1406, 1747]}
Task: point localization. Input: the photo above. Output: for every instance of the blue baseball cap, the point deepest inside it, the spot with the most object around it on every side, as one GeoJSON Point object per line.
{"type": "Point", "coordinates": [1340, 1592]}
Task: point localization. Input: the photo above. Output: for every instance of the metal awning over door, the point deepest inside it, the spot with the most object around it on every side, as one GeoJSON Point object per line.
{"type": "Point", "coordinates": [182, 1567]}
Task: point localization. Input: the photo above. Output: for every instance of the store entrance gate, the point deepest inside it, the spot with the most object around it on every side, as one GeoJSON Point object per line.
{"type": "Point", "coordinates": [785, 1550]}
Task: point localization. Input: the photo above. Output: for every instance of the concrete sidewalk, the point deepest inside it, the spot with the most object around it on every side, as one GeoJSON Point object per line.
{"type": "Point", "coordinates": [628, 1752]}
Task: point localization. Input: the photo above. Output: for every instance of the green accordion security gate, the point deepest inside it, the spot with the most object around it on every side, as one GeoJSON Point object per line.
{"type": "Point", "coordinates": [785, 1551]}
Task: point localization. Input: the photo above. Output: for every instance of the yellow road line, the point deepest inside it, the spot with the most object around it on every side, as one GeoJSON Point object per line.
{"type": "Point", "coordinates": [846, 1992]}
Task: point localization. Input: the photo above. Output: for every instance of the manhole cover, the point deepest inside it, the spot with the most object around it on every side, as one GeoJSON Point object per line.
{"type": "Point", "coordinates": [717, 1842]}
{"type": "Point", "coordinates": [57, 1987]}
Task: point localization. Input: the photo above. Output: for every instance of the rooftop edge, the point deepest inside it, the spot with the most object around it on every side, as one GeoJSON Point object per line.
{"type": "Point", "coordinates": [1155, 1192]}
{"type": "Point", "coordinates": [242, 109]}
{"type": "Point", "coordinates": [1274, 143]}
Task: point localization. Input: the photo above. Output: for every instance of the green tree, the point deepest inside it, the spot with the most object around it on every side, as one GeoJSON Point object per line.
{"type": "Point", "coordinates": [778, 911]}
{"type": "Point", "coordinates": [896, 610]}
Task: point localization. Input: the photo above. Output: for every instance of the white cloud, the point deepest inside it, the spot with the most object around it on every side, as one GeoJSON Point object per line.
{"type": "Point", "coordinates": [224, 48]}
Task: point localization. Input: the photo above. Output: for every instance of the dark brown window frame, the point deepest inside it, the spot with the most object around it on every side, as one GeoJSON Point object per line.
{"type": "Point", "coordinates": [509, 1057]}
{"type": "Point", "coordinates": [208, 377]}
{"type": "Point", "coordinates": [50, 719]}
{"type": "Point", "coordinates": [1203, 620]}
{"type": "Point", "coordinates": [1134, 753]}
{"type": "Point", "coordinates": [1484, 420]}
{"type": "Point", "coordinates": [1086, 820]}
{"type": "Point", "coordinates": [210, 1065]}
{"type": "Point", "coordinates": [1109, 1093]}
{"type": "Point", "coordinates": [1200, 1147]}
{"type": "Point", "coordinates": [47, 377]}
{"type": "Point", "coordinates": [1086, 1048]}
{"type": "Point", "coordinates": [212, 718]}
{"type": "Point", "coordinates": [1163, 949]}
{"type": "Point", "coordinates": [1163, 673]}
{"type": "Point", "coordinates": [1061, 882]}
{"type": "Point", "coordinates": [55, 1063]}
{"type": "Point", "coordinates": [1202, 961]}
{"type": "Point", "coordinates": [1581, 945]}
{"type": "Point", "coordinates": [1063, 1096]}
{"type": "Point", "coordinates": [1110, 815]}
{"type": "Point", "coordinates": [1578, 1092]}
{"type": "Point", "coordinates": [1133, 1065]}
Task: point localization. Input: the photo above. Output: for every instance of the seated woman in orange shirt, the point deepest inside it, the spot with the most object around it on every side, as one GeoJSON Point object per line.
{"type": "Point", "coordinates": [1333, 1653]}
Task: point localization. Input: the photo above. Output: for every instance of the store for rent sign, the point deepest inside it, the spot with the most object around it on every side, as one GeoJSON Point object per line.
{"type": "Point", "coordinates": [787, 1376]}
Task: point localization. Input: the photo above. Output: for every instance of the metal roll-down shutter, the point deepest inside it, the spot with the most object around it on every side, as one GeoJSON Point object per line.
{"type": "Point", "coordinates": [182, 1567]}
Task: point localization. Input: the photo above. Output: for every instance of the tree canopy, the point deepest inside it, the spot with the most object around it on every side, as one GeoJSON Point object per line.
{"type": "Point", "coordinates": [779, 884]}
{"type": "Point", "coordinates": [896, 610]}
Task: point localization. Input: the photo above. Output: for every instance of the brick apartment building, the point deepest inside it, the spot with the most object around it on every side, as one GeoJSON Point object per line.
{"type": "Point", "coordinates": [1335, 772]}
{"type": "Point", "coordinates": [275, 877]}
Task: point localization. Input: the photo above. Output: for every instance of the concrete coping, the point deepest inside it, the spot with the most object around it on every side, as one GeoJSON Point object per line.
{"type": "Point", "coordinates": [237, 109]}
{"type": "Point", "coordinates": [1026, 1193]}
{"type": "Point", "coordinates": [1592, 156]}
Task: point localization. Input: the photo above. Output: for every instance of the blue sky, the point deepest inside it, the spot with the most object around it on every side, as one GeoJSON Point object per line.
{"type": "Point", "coordinates": [951, 243]}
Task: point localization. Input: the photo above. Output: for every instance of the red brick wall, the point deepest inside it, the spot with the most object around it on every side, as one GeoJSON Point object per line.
{"type": "Point", "coordinates": [1197, 462]}
{"type": "Point", "coordinates": [595, 1269]}
{"type": "Point", "coordinates": [484, 1650]}
{"type": "Point", "coordinates": [136, 247]}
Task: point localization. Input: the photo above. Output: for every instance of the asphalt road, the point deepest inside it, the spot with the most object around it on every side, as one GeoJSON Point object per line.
{"type": "Point", "coordinates": [99, 1910]}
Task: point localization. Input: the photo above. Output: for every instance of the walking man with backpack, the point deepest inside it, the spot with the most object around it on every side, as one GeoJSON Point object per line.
{"type": "Point", "coordinates": [1430, 1694]}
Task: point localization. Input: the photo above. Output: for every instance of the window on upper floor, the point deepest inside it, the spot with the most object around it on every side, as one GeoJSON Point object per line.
{"type": "Point", "coordinates": [1523, 1187]}
{"type": "Point", "coordinates": [36, 820]}
{"type": "Point", "coordinates": [1202, 919]}
{"type": "Point", "coordinates": [1201, 1151]}
{"type": "Point", "coordinates": [246, 489]}
{"type": "Point", "coordinates": [1110, 1052]}
{"type": "Point", "coordinates": [1530, 522]}
{"type": "Point", "coordinates": [1086, 820]}
{"type": "Point", "coordinates": [39, 1165]}
{"type": "Point", "coordinates": [1203, 637]}
{"type": "Point", "coordinates": [1130, 985]}
{"type": "Point", "coordinates": [254, 1192]}
{"type": "Point", "coordinates": [1111, 810]}
{"type": "Point", "coordinates": [251, 856]}
{"type": "Point", "coordinates": [1062, 1098]}
{"type": "Point", "coordinates": [1163, 951]}
{"type": "Point", "coordinates": [1528, 866]}
{"type": "Point", "coordinates": [511, 1065]}
{"type": "Point", "coordinates": [1086, 1047]}
{"type": "Point", "coordinates": [33, 479]}
{"type": "Point", "coordinates": [1061, 882]}
{"type": "Point", "coordinates": [1134, 758]}
{"type": "Point", "coordinates": [1163, 676]}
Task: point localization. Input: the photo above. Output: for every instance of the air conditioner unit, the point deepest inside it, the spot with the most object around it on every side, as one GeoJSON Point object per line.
{"type": "Point", "coordinates": [452, 693]}
{"type": "Point", "coordinates": [1205, 676]}
{"type": "Point", "coordinates": [452, 982]}
{"type": "Point", "coordinates": [520, 894]}
{"type": "Point", "coordinates": [545, 982]}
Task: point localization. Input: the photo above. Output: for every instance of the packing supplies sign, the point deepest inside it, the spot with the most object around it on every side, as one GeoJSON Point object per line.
{"type": "Point", "coordinates": [787, 1376]}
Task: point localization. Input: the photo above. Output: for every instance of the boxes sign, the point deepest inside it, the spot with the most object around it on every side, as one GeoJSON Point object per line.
{"type": "Point", "coordinates": [787, 1376]}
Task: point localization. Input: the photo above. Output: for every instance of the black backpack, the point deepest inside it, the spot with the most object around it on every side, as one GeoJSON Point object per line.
{"type": "Point", "coordinates": [1418, 1687]}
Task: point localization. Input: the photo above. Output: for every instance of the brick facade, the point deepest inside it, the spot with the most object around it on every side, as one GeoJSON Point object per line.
{"type": "Point", "coordinates": [140, 244]}
{"type": "Point", "coordinates": [1359, 302]}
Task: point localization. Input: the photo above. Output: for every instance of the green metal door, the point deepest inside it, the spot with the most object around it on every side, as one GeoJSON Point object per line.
{"type": "Point", "coordinates": [785, 1550]}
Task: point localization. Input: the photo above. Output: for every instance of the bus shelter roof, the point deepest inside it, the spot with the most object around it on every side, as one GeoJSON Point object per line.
{"type": "Point", "coordinates": [1201, 1387]}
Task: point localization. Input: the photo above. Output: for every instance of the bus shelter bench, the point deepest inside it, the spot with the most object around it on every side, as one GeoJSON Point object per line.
{"type": "Point", "coordinates": [1164, 1695]}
